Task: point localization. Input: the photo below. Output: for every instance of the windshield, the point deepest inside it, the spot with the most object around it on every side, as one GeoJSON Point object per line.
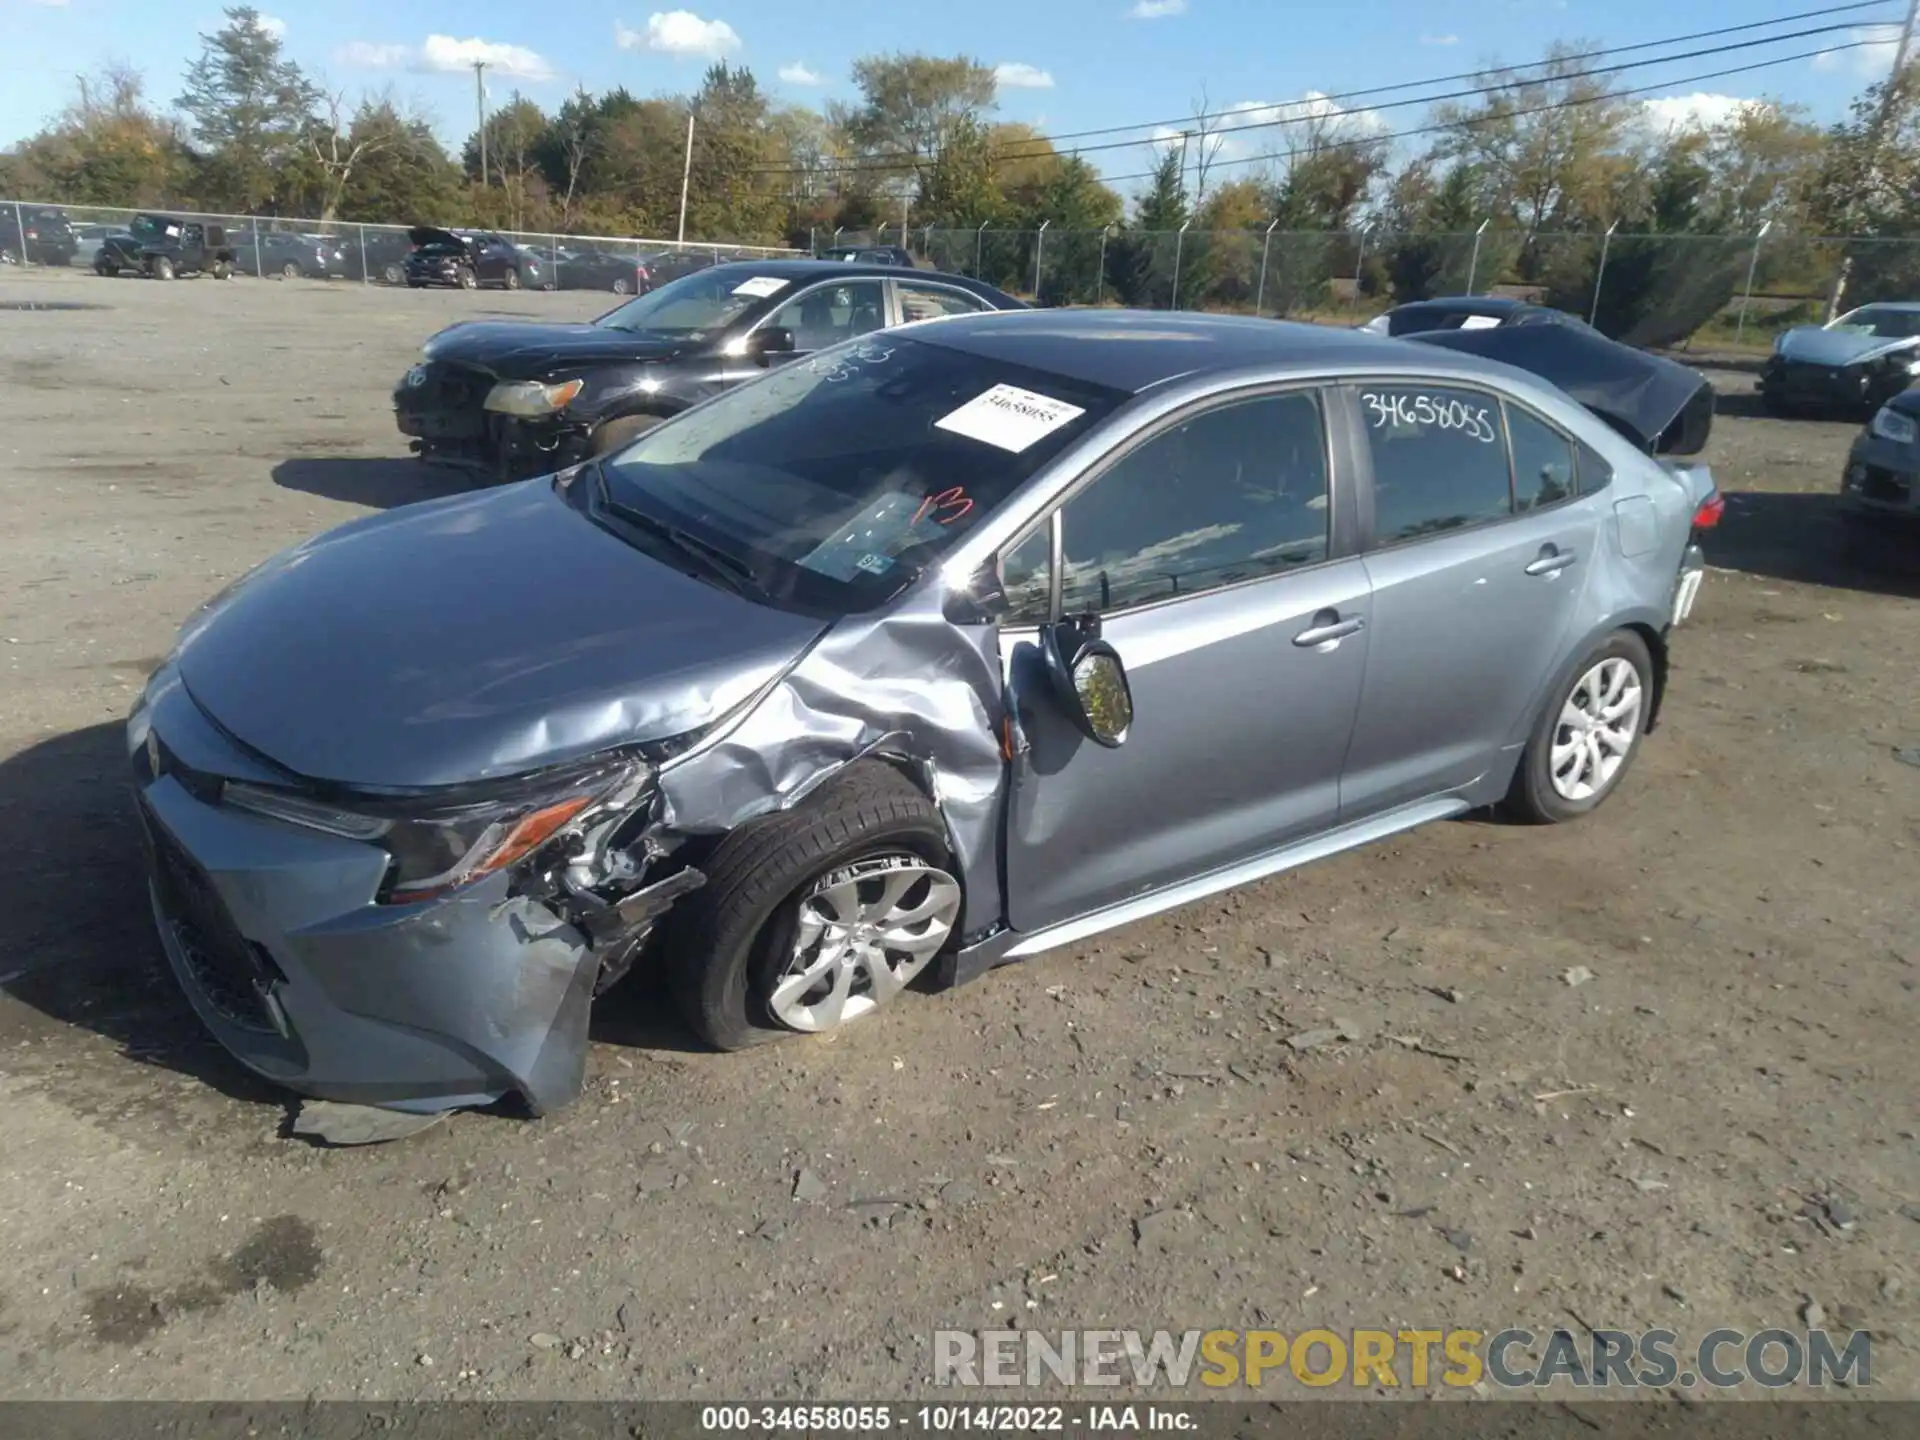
{"type": "Point", "coordinates": [836, 480]}
{"type": "Point", "coordinates": [695, 304]}
{"type": "Point", "coordinates": [1882, 321]}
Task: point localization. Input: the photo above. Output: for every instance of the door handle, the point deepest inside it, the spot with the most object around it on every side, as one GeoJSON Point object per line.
{"type": "Point", "coordinates": [1327, 626]}
{"type": "Point", "coordinates": [1551, 561]}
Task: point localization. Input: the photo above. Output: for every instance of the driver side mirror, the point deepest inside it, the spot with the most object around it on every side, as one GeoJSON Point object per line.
{"type": "Point", "coordinates": [772, 340]}
{"type": "Point", "coordinates": [1091, 682]}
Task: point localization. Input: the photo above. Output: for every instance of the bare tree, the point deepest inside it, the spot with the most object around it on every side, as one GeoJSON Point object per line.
{"type": "Point", "coordinates": [337, 146]}
{"type": "Point", "coordinates": [1208, 139]}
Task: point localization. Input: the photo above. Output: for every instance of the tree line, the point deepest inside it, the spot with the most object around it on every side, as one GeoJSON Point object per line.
{"type": "Point", "coordinates": [1550, 156]}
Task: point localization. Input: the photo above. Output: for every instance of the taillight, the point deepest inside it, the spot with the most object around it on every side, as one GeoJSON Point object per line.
{"type": "Point", "coordinates": [1710, 511]}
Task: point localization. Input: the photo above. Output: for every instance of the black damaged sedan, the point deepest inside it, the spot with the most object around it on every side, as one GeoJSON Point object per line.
{"type": "Point", "coordinates": [521, 399]}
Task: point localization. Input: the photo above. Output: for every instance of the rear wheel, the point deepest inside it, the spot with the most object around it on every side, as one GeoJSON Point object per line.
{"type": "Point", "coordinates": [1587, 736]}
{"type": "Point", "coordinates": [814, 919]}
{"type": "Point", "coordinates": [220, 269]}
{"type": "Point", "coordinates": [393, 275]}
{"type": "Point", "coordinates": [290, 270]}
{"type": "Point", "coordinates": [106, 268]}
{"type": "Point", "coordinates": [511, 279]}
{"type": "Point", "coordinates": [622, 286]}
{"type": "Point", "coordinates": [162, 268]}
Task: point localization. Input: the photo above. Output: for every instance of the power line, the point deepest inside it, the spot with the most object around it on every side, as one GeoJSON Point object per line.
{"type": "Point", "coordinates": [897, 161]}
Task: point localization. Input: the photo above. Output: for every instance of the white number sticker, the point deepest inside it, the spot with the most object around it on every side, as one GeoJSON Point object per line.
{"type": "Point", "coordinates": [761, 286]}
{"type": "Point", "coordinates": [1009, 418]}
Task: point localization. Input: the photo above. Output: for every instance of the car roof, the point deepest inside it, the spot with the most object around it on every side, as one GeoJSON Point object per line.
{"type": "Point", "coordinates": [809, 268]}
{"type": "Point", "coordinates": [1472, 304]}
{"type": "Point", "coordinates": [1906, 306]}
{"type": "Point", "coordinates": [1133, 350]}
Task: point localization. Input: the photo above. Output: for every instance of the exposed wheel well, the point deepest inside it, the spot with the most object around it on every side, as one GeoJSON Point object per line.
{"type": "Point", "coordinates": [1656, 642]}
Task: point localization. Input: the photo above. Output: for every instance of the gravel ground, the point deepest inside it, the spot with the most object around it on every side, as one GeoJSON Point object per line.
{"type": "Point", "coordinates": [1716, 1129]}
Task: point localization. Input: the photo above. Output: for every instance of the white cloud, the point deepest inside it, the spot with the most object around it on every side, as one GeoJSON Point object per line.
{"type": "Point", "coordinates": [1439, 39]}
{"type": "Point", "coordinates": [1157, 9]}
{"type": "Point", "coordinates": [1018, 75]}
{"type": "Point", "coordinates": [679, 32]}
{"type": "Point", "coordinates": [443, 53]}
{"type": "Point", "coordinates": [369, 55]}
{"type": "Point", "coordinates": [1256, 127]}
{"type": "Point", "coordinates": [274, 26]}
{"type": "Point", "coordinates": [1879, 44]}
{"type": "Point", "coordinates": [798, 74]}
{"type": "Point", "coordinates": [1702, 110]}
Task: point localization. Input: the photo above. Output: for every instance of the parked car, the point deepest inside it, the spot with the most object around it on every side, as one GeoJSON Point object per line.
{"type": "Point", "coordinates": [467, 259]}
{"type": "Point", "coordinates": [578, 269]}
{"type": "Point", "coordinates": [289, 255]}
{"type": "Point", "coordinates": [162, 247]}
{"type": "Point", "coordinates": [663, 267]}
{"type": "Point", "coordinates": [941, 648]}
{"type": "Point", "coordinates": [1853, 364]}
{"type": "Point", "coordinates": [870, 255]}
{"type": "Point", "coordinates": [88, 239]}
{"type": "Point", "coordinates": [367, 253]}
{"type": "Point", "coordinates": [48, 237]}
{"type": "Point", "coordinates": [1466, 312]}
{"type": "Point", "coordinates": [1880, 488]}
{"type": "Point", "coordinates": [520, 398]}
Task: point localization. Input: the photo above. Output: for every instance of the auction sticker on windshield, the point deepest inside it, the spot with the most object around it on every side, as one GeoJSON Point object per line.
{"type": "Point", "coordinates": [1009, 418]}
{"type": "Point", "coordinates": [761, 286]}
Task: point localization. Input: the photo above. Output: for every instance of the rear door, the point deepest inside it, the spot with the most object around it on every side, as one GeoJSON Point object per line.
{"type": "Point", "coordinates": [1478, 545]}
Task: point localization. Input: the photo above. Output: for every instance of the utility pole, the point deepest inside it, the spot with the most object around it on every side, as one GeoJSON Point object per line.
{"type": "Point", "coordinates": [686, 173]}
{"type": "Point", "coordinates": [480, 110]}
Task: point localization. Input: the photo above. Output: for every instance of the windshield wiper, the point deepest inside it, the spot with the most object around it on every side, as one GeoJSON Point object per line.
{"type": "Point", "coordinates": [735, 574]}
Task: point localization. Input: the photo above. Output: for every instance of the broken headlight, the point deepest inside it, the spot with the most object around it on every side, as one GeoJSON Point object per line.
{"type": "Point", "coordinates": [532, 397]}
{"type": "Point", "coordinates": [441, 842]}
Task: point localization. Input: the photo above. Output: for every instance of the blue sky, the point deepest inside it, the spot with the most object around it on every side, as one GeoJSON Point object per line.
{"type": "Point", "coordinates": [1066, 64]}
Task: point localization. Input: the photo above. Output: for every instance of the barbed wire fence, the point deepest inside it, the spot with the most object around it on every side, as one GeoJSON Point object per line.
{"type": "Point", "coordinates": [1644, 289]}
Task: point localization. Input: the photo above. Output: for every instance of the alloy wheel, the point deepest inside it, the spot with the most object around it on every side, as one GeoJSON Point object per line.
{"type": "Point", "coordinates": [864, 933]}
{"type": "Point", "coordinates": [1596, 731]}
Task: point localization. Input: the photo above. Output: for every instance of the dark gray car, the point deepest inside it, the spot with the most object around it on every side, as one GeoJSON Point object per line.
{"type": "Point", "coordinates": [941, 648]}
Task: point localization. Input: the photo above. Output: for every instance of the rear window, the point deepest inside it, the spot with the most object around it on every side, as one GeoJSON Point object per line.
{"type": "Point", "coordinates": [839, 478]}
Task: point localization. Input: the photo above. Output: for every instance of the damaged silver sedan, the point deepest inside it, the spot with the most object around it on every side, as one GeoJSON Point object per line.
{"type": "Point", "coordinates": [932, 651]}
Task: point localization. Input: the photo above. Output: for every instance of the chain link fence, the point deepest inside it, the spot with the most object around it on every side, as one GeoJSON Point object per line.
{"type": "Point", "coordinates": [35, 233]}
{"type": "Point", "coordinates": [1651, 290]}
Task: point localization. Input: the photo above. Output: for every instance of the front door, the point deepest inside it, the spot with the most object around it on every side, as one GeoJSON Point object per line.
{"type": "Point", "coordinates": [1211, 554]}
{"type": "Point", "coordinates": [1480, 549]}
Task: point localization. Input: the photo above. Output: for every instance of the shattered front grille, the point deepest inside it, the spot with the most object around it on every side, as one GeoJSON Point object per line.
{"type": "Point", "coordinates": [215, 953]}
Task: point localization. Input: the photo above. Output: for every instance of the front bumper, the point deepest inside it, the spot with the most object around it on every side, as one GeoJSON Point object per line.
{"type": "Point", "coordinates": [1882, 479]}
{"type": "Point", "coordinates": [1798, 385]}
{"type": "Point", "coordinates": [273, 933]}
{"type": "Point", "coordinates": [441, 409]}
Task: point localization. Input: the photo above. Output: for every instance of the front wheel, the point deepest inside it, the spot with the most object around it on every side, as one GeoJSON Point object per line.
{"type": "Point", "coordinates": [468, 280]}
{"type": "Point", "coordinates": [1587, 736]}
{"type": "Point", "coordinates": [811, 920]}
{"type": "Point", "coordinates": [162, 268]}
{"type": "Point", "coordinates": [220, 269]}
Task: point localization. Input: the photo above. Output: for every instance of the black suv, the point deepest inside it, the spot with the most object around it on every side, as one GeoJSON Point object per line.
{"type": "Point", "coordinates": [519, 398]}
{"type": "Point", "coordinates": [468, 259]}
{"type": "Point", "coordinates": [49, 237]}
{"type": "Point", "coordinates": [163, 247]}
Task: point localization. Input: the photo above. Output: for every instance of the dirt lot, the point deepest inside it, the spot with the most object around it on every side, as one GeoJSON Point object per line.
{"type": "Point", "coordinates": [1715, 1130]}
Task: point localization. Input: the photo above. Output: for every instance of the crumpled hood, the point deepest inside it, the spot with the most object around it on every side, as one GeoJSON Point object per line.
{"type": "Point", "coordinates": [1812, 345]}
{"type": "Point", "coordinates": [473, 637]}
{"type": "Point", "coordinates": [523, 350]}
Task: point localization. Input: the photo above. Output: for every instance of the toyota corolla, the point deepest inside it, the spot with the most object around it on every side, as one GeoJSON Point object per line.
{"type": "Point", "coordinates": [940, 648]}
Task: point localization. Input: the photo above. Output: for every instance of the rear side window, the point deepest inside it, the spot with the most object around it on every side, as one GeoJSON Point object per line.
{"type": "Point", "coordinates": [1543, 462]}
{"type": "Point", "coordinates": [1439, 460]}
{"type": "Point", "coordinates": [1594, 472]}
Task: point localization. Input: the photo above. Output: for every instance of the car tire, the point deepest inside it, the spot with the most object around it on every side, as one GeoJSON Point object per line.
{"type": "Point", "coordinates": [1586, 775]}
{"type": "Point", "coordinates": [162, 268]}
{"type": "Point", "coordinates": [466, 279]}
{"type": "Point", "coordinates": [393, 275]}
{"type": "Point", "coordinates": [732, 941]}
{"type": "Point", "coordinates": [220, 269]}
{"type": "Point", "coordinates": [621, 286]}
{"type": "Point", "coordinates": [616, 434]}
{"type": "Point", "coordinates": [511, 280]}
